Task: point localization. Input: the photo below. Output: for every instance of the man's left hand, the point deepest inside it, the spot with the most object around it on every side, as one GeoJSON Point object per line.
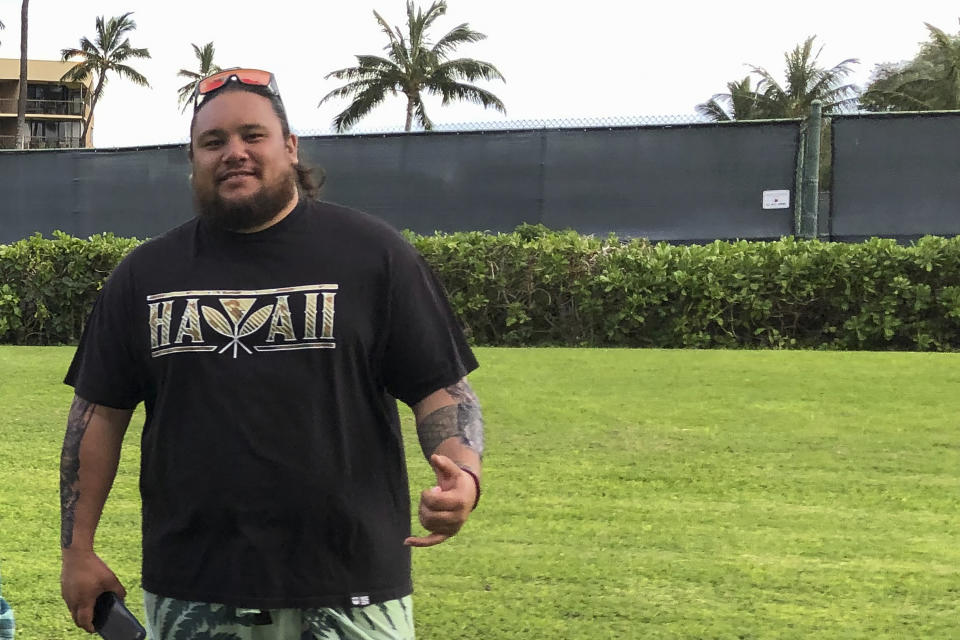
{"type": "Point", "coordinates": [445, 507]}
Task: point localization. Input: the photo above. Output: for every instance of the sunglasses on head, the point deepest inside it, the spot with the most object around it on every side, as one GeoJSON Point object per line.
{"type": "Point", "coordinates": [250, 77]}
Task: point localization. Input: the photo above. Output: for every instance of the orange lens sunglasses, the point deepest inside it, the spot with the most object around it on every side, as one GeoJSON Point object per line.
{"type": "Point", "coordinates": [252, 77]}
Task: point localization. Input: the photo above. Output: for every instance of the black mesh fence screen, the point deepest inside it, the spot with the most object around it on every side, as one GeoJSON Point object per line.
{"type": "Point", "coordinates": [895, 176]}
{"type": "Point", "coordinates": [684, 183]}
{"type": "Point", "coordinates": [431, 182]}
{"type": "Point", "coordinates": [131, 193]}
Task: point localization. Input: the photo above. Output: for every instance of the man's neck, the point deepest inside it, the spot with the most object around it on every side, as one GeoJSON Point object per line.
{"type": "Point", "coordinates": [283, 213]}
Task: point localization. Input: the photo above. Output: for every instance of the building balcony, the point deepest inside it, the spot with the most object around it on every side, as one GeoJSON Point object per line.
{"type": "Point", "coordinates": [43, 107]}
{"type": "Point", "coordinates": [35, 142]}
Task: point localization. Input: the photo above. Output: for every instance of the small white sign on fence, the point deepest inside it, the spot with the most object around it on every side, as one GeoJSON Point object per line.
{"type": "Point", "coordinates": [776, 199]}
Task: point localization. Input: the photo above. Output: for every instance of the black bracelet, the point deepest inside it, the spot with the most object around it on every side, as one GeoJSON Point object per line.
{"type": "Point", "coordinates": [476, 481]}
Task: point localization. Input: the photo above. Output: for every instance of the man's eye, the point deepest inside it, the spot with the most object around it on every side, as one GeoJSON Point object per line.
{"type": "Point", "coordinates": [211, 144]}
{"type": "Point", "coordinates": [254, 136]}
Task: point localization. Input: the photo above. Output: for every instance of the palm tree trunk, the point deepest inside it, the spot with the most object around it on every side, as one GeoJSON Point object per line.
{"type": "Point", "coordinates": [22, 98]}
{"type": "Point", "coordinates": [409, 113]}
{"type": "Point", "coordinates": [93, 103]}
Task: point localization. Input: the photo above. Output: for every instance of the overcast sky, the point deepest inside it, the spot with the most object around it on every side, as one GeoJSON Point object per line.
{"type": "Point", "coordinates": [560, 60]}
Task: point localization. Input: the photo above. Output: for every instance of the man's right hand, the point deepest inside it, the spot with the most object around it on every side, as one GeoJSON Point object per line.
{"type": "Point", "coordinates": [83, 577]}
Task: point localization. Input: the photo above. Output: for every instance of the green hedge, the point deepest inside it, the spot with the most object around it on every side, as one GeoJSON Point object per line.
{"type": "Point", "coordinates": [536, 287]}
{"type": "Point", "coordinates": [49, 285]}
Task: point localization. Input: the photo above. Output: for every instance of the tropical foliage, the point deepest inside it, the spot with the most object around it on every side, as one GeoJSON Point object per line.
{"type": "Point", "coordinates": [414, 66]}
{"type": "Point", "coordinates": [805, 82]}
{"type": "Point", "coordinates": [536, 287]}
{"type": "Point", "coordinates": [929, 82]}
{"type": "Point", "coordinates": [206, 67]}
{"type": "Point", "coordinates": [110, 51]}
{"type": "Point", "coordinates": [741, 103]}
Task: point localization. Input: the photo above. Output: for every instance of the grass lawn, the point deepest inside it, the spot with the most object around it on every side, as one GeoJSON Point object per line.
{"type": "Point", "coordinates": [628, 494]}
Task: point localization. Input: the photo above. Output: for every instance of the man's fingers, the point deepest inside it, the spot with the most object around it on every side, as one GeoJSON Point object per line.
{"type": "Point", "coordinates": [426, 541]}
{"type": "Point", "coordinates": [448, 522]}
{"type": "Point", "coordinates": [84, 618]}
{"type": "Point", "coordinates": [443, 508]}
{"type": "Point", "coordinates": [439, 501]}
{"type": "Point", "coordinates": [83, 578]}
{"type": "Point", "coordinates": [444, 522]}
{"type": "Point", "coordinates": [119, 589]}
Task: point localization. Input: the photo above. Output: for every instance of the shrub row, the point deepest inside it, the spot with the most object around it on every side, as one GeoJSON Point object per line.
{"type": "Point", "coordinates": [48, 286]}
{"type": "Point", "coordinates": [536, 287]}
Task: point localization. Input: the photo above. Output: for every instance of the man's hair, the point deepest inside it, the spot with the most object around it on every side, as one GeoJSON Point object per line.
{"type": "Point", "coordinates": [308, 184]}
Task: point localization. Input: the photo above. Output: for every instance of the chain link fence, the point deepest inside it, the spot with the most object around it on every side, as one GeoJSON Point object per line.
{"type": "Point", "coordinates": [512, 125]}
{"type": "Point", "coordinates": [599, 122]}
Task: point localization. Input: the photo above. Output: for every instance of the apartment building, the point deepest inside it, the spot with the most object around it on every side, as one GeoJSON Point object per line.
{"type": "Point", "coordinates": [55, 110]}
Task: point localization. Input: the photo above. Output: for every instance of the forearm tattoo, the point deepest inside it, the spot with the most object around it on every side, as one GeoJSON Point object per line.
{"type": "Point", "coordinates": [81, 412]}
{"type": "Point", "coordinates": [462, 420]}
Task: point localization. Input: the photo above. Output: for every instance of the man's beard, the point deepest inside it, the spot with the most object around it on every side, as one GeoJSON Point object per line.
{"type": "Point", "coordinates": [247, 213]}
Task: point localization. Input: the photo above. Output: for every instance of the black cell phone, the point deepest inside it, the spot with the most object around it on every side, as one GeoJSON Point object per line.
{"type": "Point", "coordinates": [113, 621]}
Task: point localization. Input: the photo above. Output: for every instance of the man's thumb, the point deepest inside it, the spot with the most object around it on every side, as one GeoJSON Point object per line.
{"type": "Point", "coordinates": [446, 470]}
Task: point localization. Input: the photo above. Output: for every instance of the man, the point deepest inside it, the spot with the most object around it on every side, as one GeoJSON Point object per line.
{"type": "Point", "coordinates": [268, 339]}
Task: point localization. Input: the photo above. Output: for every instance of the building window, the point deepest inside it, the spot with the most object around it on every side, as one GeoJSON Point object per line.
{"type": "Point", "coordinates": [55, 99]}
{"type": "Point", "coordinates": [50, 134]}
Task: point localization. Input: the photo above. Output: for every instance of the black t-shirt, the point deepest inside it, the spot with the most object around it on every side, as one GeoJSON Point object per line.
{"type": "Point", "coordinates": [272, 469]}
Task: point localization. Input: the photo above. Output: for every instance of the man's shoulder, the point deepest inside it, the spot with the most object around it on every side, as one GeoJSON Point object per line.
{"type": "Point", "coordinates": [161, 246]}
{"type": "Point", "coordinates": [352, 224]}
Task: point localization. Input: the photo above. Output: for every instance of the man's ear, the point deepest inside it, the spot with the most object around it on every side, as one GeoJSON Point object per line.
{"type": "Point", "coordinates": [292, 146]}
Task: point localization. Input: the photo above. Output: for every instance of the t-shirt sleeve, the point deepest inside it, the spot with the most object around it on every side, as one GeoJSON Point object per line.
{"type": "Point", "coordinates": [425, 348]}
{"type": "Point", "coordinates": [104, 368]}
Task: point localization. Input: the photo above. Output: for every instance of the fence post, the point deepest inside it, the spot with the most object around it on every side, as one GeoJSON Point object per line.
{"type": "Point", "coordinates": [811, 174]}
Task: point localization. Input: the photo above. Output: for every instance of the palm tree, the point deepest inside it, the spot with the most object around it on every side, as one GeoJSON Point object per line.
{"type": "Point", "coordinates": [207, 67]}
{"type": "Point", "coordinates": [22, 98]}
{"type": "Point", "coordinates": [889, 88]}
{"type": "Point", "coordinates": [742, 103]}
{"type": "Point", "coordinates": [929, 82]}
{"type": "Point", "coordinates": [806, 82]}
{"type": "Point", "coordinates": [413, 66]}
{"type": "Point", "coordinates": [109, 52]}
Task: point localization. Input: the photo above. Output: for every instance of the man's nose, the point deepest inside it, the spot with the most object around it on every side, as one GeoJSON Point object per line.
{"type": "Point", "coordinates": [235, 149]}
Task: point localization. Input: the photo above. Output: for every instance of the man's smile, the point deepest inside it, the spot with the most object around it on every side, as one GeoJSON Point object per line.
{"type": "Point", "coordinates": [236, 176]}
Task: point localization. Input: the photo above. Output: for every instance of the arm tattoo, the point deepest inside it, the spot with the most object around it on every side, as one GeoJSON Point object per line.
{"type": "Point", "coordinates": [462, 420]}
{"type": "Point", "coordinates": [81, 412]}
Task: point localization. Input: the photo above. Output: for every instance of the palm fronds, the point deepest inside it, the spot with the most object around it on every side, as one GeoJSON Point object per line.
{"type": "Point", "coordinates": [108, 52]}
{"type": "Point", "coordinates": [805, 82]}
{"type": "Point", "coordinates": [412, 65]}
{"type": "Point", "coordinates": [205, 68]}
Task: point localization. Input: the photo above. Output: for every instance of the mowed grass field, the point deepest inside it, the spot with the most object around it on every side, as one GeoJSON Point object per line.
{"type": "Point", "coordinates": [628, 494]}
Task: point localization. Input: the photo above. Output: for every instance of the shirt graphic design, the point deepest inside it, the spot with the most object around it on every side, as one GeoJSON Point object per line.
{"type": "Point", "coordinates": [242, 321]}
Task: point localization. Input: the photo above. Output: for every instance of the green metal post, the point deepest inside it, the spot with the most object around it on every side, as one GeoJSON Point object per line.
{"type": "Point", "coordinates": [811, 174]}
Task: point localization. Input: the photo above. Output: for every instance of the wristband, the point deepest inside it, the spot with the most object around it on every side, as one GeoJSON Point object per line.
{"type": "Point", "coordinates": [476, 481]}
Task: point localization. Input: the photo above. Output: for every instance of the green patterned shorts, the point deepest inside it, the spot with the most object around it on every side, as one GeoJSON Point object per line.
{"type": "Point", "coordinates": [171, 619]}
